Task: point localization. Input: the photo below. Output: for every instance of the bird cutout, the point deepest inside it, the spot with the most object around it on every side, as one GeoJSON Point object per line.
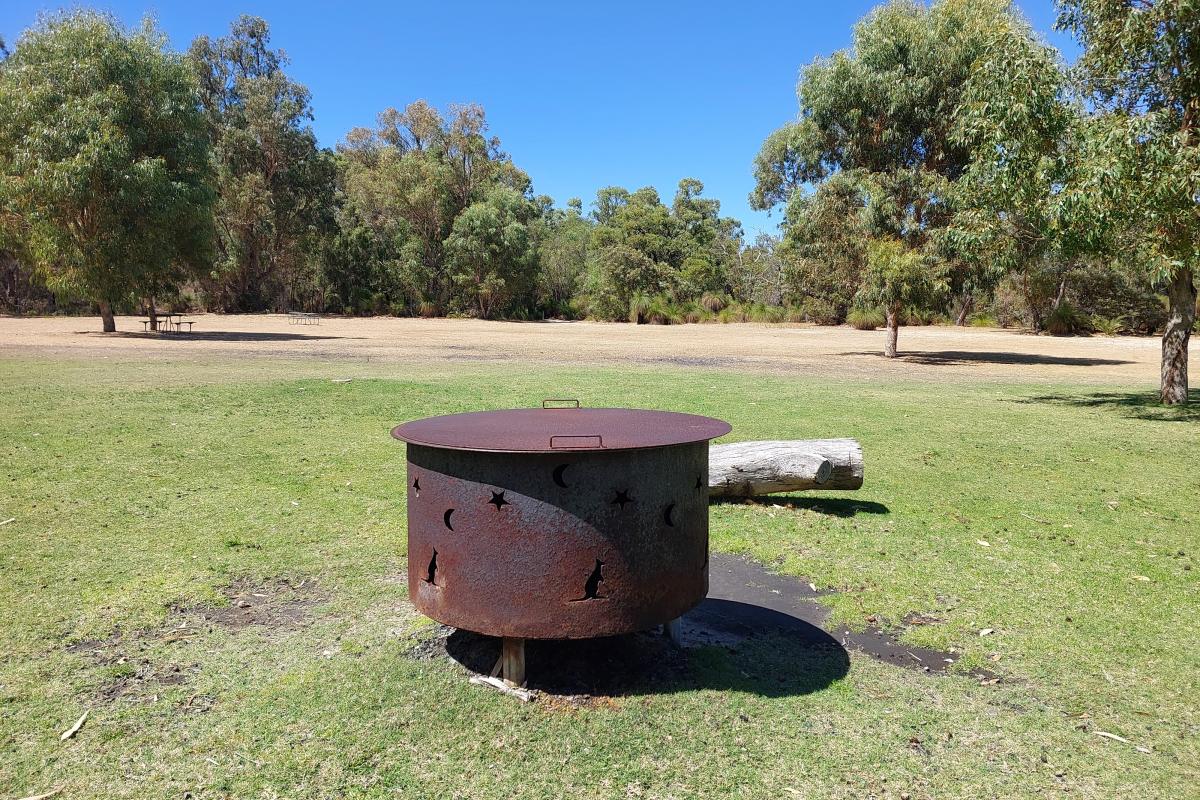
{"type": "Point", "coordinates": [446, 518]}
{"type": "Point", "coordinates": [417, 486]}
{"type": "Point", "coordinates": [699, 481]}
{"type": "Point", "coordinates": [591, 589]}
{"type": "Point", "coordinates": [559, 479]}
{"type": "Point", "coordinates": [431, 573]}
{"type": "Point", "coordinates": [622, 498]}
{"type": "Point", "coordinates": [498, 500]}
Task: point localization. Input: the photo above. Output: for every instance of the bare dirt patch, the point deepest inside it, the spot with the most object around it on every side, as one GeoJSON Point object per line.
{"type": "Point", "coordinates": [927, 353]}
{"type": "Point", "coordinates": [134, 660]}
{"type": "Point", "coordinates": [275, 605]}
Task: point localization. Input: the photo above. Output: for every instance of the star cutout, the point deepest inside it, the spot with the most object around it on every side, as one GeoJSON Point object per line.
{"type": "Point", "coordinates": [498, 500]}
{"type": "Point", "coordinates": [622, 498]}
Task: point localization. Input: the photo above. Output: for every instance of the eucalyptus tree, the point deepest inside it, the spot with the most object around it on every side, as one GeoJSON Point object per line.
{"type": "Point", "coordinates": [1139, 166]}
{"type": "Point", "coordinates": [104, 158]}
{"type": "Point", "coordinates": [490, 253]}
{"type": "Point", "coordinates": [413, 175]}
{"type": "Point", "coordinates": [1017, 121]}
{"type": "Point", "coordinates": [757, 275]}
{"type": "Point", "coordinates": [824, 247]}
{"type": "Point", "coordinates": [562, 256]}
{"type": "Point", "coordinates": [640, 246]}
{"type": "Point", "coordinates": [274, 184]}
{"type": "Point", "coordinates": [896, 278]}
{"type": "Point", "coordinates": [880, 115]}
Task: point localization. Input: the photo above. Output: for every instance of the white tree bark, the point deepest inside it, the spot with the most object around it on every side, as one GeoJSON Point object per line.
{"type": "Point", "coordinates": [748, 469]}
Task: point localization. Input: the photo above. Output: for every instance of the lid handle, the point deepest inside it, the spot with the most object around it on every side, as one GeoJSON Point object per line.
{"type": "Point", "coordinates": [550, 403]}
{"type": "Point", "coordinates": [571, 441]}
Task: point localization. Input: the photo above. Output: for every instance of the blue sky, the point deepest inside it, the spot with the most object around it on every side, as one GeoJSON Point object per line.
{"type": "Point", "coordinates": [582, 95]}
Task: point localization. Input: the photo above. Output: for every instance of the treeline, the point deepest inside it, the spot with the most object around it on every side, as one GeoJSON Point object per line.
{"type": "Point", "coordinates": [234, 207]}
{"type": "Point", "coordinates": [945, 167]}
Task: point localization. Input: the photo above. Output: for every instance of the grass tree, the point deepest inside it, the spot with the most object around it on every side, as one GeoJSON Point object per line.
{"type": "Point", "coordinates": [103, 158]}
{"type": "Point", "coordinates": [897, 278]}
{"type": "Point", "coordinates": [1139, 169]}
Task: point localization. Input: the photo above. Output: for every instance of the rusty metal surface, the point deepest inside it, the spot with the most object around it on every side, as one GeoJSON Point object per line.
{"type": "Point", "coordinates": [568, 544]}
{"type": "Point", "coordinates": [548, 430]}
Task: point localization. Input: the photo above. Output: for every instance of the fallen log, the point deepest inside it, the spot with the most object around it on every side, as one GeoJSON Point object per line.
{"type": "Point", "coordinates": [749, 469]}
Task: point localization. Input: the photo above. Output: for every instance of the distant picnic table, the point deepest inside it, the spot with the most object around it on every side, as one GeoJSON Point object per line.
{"type": "Point", "coordinates": [174, 321]}
{"type": "Point", "coordinates": [303, 318]}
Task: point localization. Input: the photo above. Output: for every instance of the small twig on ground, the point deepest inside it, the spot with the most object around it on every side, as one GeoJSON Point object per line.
{"type": "Point", "coordinates": [10, 519]}
{"type": "Point", "coordinates": [495, 683]}
{"type": "Point", "coordinates": [1122, 740]}
{"type": "Point", "coordinates": [1035, 519]}
{"type": "Point", "coordinates": [74, 729]}
{"type": "Point", "coordinates": [44, 795]}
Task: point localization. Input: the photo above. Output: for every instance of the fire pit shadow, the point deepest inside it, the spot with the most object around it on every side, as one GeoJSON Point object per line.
{"type": "Point", "coordinates": [728, 645]}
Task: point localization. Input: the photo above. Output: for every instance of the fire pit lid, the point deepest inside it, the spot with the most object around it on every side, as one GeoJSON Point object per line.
{"type": "Point", "coordinates": [552, 430]}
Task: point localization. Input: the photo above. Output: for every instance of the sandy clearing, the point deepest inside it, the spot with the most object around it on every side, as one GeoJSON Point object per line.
{"type": "Point", "coordinates": [929, 353]}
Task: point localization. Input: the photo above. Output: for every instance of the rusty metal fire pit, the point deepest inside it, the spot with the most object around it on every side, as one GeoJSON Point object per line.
{"type": "Point", "coordinates": [557, 522]}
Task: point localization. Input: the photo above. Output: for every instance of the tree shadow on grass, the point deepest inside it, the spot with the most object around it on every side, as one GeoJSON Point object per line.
{"type": "Point", "coordinates": [833, 506]}
{"type": "Point", "coordinates": [218, 336]}
{"type": "Point", "coordinates": [1139, 405]}
{"type": "Point", "coordinates": [960, 357]}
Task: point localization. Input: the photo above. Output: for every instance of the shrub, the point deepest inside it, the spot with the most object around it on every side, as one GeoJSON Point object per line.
{"type": "Point", "coordinates": [756, 312]}
{"type": "Point", "coordinates": [1065, 320]}
{"type": "Point", "coordinates": [693, 313]}
{"type": "Point", "coordinates": [1008, 305]}
{"type": "Point", "coordinates": [922, 316]}
{"type": "Point", "coordinates": [793, 314]}
{"type": "Point", "coordinates": [819, 311]}
{"type": "Point", "coordinates": [865, 319]}
{"type": "Point", "coordinates": [657, 312]}
{"type": "Point", "coordinates": [733, 313]}
{"type": "Point", "coordinates": [983, 321]}
{"type": "Point", "coordinates": [775, 314]}
{"type": "Point", "coordinates": [639, 307]}
{"type": "Point", "coordinates": [428, 308]}
{"type": "Point", "coordinates": [714, 302]}
{"type": "Point", "coordinates": [1109, 326]}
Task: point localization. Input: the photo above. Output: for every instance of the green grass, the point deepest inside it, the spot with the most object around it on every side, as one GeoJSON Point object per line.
{"type": "Point", "coordinates": [141, 486]}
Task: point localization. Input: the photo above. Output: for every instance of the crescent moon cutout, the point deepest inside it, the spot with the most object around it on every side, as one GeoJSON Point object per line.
{"type": "Point", "coordinates": [667, 515]}
{"type": "Point", "coordinates": [558, 475]}
{"type": "Point", "coordinates": [446, 518]}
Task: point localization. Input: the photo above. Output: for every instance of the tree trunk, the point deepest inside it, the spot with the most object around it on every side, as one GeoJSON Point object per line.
{"type": "Point", "coordinates": [106, 316]}
{"type": "Point", "coordinates": [746, 469]}
{"type": "Point", "coordinates": [893, 332]}
{"type": "Point", "coordinates": [1181, 294]}
{"type": "Point", "coordinates": [1062, 294]}
{"type": "Point", "coordinates": [968, 302]}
